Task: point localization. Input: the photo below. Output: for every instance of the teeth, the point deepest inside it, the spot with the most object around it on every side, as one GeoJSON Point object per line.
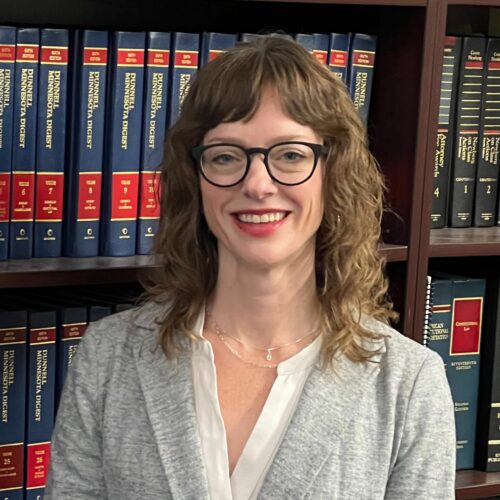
{"type": "Point", "coordinates": [261, 219]}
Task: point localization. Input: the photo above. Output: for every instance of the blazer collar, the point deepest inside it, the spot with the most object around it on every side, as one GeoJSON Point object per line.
{"type": "Point", "coordinates": [168, 390]}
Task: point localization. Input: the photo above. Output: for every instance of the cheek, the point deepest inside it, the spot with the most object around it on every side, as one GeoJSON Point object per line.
{"type": "Point", "coordinates": [212, 204]}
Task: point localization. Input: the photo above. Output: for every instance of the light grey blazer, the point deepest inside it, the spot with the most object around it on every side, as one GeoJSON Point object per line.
{"type": "Point", "coordinates": [126, 427]}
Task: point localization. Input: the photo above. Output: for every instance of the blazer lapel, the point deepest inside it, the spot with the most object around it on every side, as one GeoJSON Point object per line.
{"type": "Point", "coordinates": [168, 390]}
{"type": "Point", "coordinates": [317, 431]}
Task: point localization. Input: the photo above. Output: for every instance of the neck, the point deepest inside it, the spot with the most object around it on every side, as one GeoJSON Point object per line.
{"type": "Point", "coordinates": [266, 307]}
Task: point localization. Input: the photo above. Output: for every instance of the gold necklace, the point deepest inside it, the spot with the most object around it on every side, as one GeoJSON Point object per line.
{"type": "Point", "coordinates": [221, 335]}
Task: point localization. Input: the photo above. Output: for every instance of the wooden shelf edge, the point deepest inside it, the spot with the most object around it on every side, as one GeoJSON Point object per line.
{"type": "Point", "coordinates": [62, 271]}
{"type": "Point", "coordinates": [476, 484]}
{"type": "Point", "coordinates": [466, 242]}
{"type": "Point", "coordinates": [394, 253]}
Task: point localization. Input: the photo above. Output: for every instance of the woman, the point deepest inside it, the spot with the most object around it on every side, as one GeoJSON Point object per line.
{"type": "Point", "coordinates": [263, 364]}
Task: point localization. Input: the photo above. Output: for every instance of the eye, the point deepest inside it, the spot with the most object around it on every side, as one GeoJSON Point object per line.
{"type": "Point", "coordinates": [223, 158]}
{"type": "Point", "coordinates": [291, 156]}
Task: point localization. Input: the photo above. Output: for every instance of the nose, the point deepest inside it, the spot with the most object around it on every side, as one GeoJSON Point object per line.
{"type": "Point", "coordinates": [258, 183]}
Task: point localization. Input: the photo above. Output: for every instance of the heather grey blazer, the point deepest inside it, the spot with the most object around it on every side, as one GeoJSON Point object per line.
{"type": "Point", "coordinates": [126, 427]}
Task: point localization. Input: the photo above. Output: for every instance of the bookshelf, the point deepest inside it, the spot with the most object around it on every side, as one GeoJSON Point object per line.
{"type": "Point", "coordinates": [402, 128]}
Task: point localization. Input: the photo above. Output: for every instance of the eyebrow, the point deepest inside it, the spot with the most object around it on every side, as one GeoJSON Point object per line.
{"type": "Point", "coordinates": [276, 140]}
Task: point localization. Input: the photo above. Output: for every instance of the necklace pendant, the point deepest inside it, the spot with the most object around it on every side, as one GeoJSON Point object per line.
{"type": "Point", "coordinates": [269, 356]}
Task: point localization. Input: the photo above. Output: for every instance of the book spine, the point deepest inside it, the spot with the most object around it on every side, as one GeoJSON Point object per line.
{"type": "Point", "coordinates": [86, 145]}
{"type": "Point", "coordinates": [445, 134]}
{"type": "Point", "coordinates": [463, 369]}
{"type": "Point", "coordinates": [214, 44]}
{"type": "Point", "coordinates": [153, 137]}
{"type": "Point", "coordinates": [185, 65]}
{"type": "Point", "coordinates": [488, 425]}
{"type": "Point", "coordinates": [306, 40]}
{"type": "Point", "coordinates": [123, 147]}
{"type": "Point", "coordinates": [85, 155]}
{"type": "Point", "coordinates": [40, 400]}
{"type": "Point", "coordinates": [51, 138]}
{"type": "Point", "coordinates": [321, 47]}
{"type": "Point", "coordinates": [13, 331]}
{"type": "Point", "coordinates": [7, 68]}
{"type": "Point", "coordinates": [361, 67]}
{"type": "Point", "coordinates": [70, 329]}
{"type": "Point", "coordinates": [489, 140]}
{"type": "Point", "coordinates": [24, 143]}
{"type": "Point", "coordinates": [470, 88]}
{"type": "Point", "coordinates": [339, 55]}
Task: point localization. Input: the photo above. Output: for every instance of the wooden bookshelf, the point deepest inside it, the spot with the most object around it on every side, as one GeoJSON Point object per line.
{"type": "Point", "coordinates": [69, 271]}
{"type": "Point", "coordinates": [477, 484]}
{"type": "Point", "coordinates": [474, 241]}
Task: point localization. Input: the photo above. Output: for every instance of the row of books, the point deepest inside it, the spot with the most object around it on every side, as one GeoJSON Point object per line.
{"type": "Point", "coordinates": [462, 324]}
{"type": "Point", "coordinates": [83, 118]}
{"type": "Point", "coordinates": [38, 340]}
{"type": "Point", "coordinates": [466, 167]}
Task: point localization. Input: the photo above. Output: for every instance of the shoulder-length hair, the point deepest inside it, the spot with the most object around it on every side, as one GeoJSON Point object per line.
{"type": "Point", "coordinates": [349, 267]}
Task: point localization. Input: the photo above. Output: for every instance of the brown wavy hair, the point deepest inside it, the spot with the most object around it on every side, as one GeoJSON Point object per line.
{"type": "Point", "coordinates": [349, 267]}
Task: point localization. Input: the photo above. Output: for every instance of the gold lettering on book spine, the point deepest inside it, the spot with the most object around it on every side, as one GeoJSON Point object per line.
{"type": "Point", "coordinates": [128, 105]}
{"type": "Point", "coordinates": [40, 381]}
{"type": "Point", "coordinates": [26, 101]}
{"type": "Point", "coordinates": [8, 379]}
{"type": "Point", "coordinates": [360, 89]}
{"type": "Point", "coordinates": [93, 94]}
{"type": "Point", "coordinates": [5, 97]}
{"type": "Point", "coordinates": [156, 99]}
{"type": "Point", "coordinates": [53, 102]}
{"type": "Point", "coordinates": [467, 149]}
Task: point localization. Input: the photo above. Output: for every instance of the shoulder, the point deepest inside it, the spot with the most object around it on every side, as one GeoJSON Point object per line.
{"type": "Point", "coordinates": [403, 361]}
{"type": "Point", "coordinates": [124, 331]}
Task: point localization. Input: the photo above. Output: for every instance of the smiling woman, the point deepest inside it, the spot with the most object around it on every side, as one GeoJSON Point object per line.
{"type": "Point", "coordinates": [262, 364]}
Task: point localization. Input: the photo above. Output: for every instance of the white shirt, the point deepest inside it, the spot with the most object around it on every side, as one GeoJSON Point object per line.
{"type": "Point", "coordinates": [259, 451]}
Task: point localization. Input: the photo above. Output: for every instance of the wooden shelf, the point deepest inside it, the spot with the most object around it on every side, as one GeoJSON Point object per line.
{"type": "Point", "coordinates": [476, 484]}
{"type": "Point", "coordinates": [69, 271]}
{"type": "Point", "coordinates": [394, 253]}
{"type": "Point", "coordinates": [465, 242]}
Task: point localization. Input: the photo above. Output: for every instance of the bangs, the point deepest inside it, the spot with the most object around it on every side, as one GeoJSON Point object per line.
{"type": "Point", "coordinates": [229, 88]}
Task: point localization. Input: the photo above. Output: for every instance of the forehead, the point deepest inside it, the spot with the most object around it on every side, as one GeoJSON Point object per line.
{"type": "Point", "coordinates": [269, 124]}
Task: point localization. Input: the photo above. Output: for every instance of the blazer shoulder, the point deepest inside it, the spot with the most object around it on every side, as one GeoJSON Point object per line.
{"type": "Point", "coordinates": [401, 354]}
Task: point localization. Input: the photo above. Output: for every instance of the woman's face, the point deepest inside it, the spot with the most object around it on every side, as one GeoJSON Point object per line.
{"type": "Point", "coordinates": [241, 217]}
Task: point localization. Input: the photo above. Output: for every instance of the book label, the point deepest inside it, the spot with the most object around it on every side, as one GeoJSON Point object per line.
{"type": "Point", "coordinates": [89, 195]}
{"type": "Point", "coordinates": [466, 326]}
{"type": "Point", "coordinates": [4, 196]}
{"type": "Point", "coordinates": [11, 466]}
{"type": "Point", "coordinates": [37, 464]}
{"type": "Point", "coordinates": [49, 196]}
{"type": "Point", "coordinates": [186, 59]}
{"type": "Point", "coordinates": [150, 185]}
{"type": "Point", "coordinates": [125, 191]}
{"type": "Point", "coordinates": [22, 196]}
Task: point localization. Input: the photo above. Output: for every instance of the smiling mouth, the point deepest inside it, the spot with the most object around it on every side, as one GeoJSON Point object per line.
{"type": "Point", "coordinates": [252, 218]}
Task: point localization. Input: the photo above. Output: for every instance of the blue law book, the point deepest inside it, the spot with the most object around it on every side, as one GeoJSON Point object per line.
{"type": "Point", "coordinates": [40, 399]}
{"type": "Point", "coordinates": [361, 67]}
{"type": "Point", "coordinates": [7, 68]}
{"type": "Point", "coordinates": [214, 44]}
{"type": "Point", "coordinates": [51, 140]}
{"type": "Point", "coordinates": [454, 332]}
{"type": "Point", "coordinates": [13, 334]}
{"type": "Point", "coordinates": [84, 159]}
{"type": "Point", "coordinates": [339, 54]}
{"type": "Point", "coordinates": [24, 144]}
{"type": "Point", "coordinates": [123, 145]}
{"type": "Point", "coordinates": [321, 47]}
{"type": "Point", "coordinates": [248, 37]}
{"type": "Point", "coordinates": [185, 53]}
{"type": "Point", "coordinates": [71, 325]}
{"type": "Point", "coordinates": [306, 40]}
{"type": "Point", "coordinates": [156, 92]}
